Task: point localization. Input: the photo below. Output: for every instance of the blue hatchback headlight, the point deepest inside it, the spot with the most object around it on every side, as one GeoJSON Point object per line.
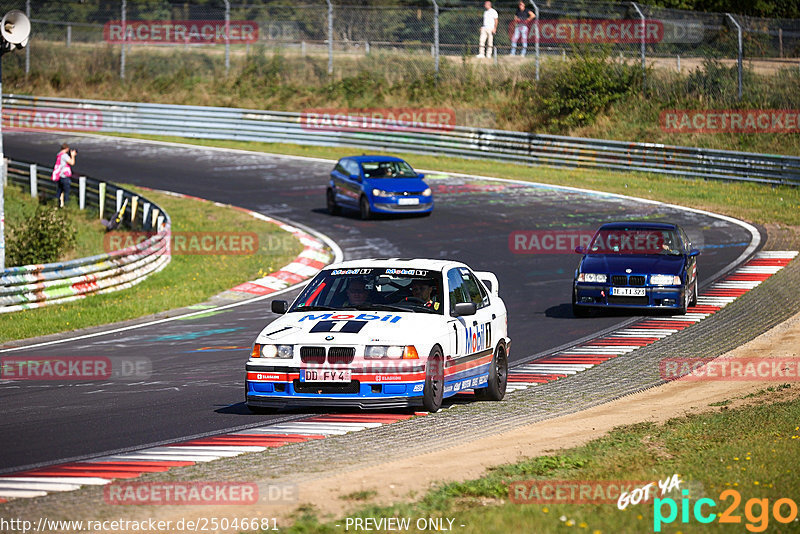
{"type": "Point", "coordinates": [381, 193]}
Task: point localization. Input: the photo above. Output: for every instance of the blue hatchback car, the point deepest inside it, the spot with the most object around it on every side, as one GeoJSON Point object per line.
{"type": "Point", "coordinates": [377, 184]}
{"type": "Point", "coordinates": [636, 265]}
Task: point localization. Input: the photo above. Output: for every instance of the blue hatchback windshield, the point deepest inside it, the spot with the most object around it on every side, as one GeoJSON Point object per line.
{"type": "Point", "coordinates": [387, 169]}
{"type": "Point", "coordinates": [381, 289]}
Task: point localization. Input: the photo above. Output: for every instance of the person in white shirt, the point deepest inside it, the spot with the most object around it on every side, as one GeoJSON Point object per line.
{"type": "Point", "coordinates": [488, 30]}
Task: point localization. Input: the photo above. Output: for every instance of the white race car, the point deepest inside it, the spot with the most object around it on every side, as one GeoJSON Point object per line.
{"type": "Point", "coordinates": [383, 333]}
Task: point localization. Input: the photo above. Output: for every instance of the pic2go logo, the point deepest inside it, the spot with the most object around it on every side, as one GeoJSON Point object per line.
{"type": "Point", "coordinates": [756, 511]}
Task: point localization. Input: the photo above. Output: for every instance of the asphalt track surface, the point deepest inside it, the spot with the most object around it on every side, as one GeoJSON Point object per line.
{"type": "Point", "coordinates": [192, 391]}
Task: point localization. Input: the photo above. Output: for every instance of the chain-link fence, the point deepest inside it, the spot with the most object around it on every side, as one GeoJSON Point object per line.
{"type": "Point", "coordinates": [430, 37]}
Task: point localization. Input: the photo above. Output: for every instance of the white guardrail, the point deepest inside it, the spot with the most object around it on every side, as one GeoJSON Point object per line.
{"type": "Point", "coordinates": [27, 112]}
{"type": "Point", "coordinates": [34, 286]}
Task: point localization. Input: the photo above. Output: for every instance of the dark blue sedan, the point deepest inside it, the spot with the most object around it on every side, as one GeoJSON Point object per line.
{"type": "Point", "coordinates": [377, 184]}
{"type": "Point", "coordinates": [636, 265]}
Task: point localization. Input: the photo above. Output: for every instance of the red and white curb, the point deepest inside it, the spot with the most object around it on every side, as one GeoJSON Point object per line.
{"type": "Point", "coordinates": [647, 331]}
{"type": "Point", "coordinates": [100, 471]}
{"type": "Point", "coordinates": [314, 257]}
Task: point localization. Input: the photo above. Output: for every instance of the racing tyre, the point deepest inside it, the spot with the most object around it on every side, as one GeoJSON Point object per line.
{"type": "Point", "coordinates": [434, 381]}
{"type": "Point", "coordinates": [333, 207]}
{"type": "Point", "coordinates": [366, 213]}
{"type": "Point", "coordinates": [495, 389]}
{"type": "Point", "coordinates": [685, 304]}
{"type": "Point", "coordinates": [694, 294]}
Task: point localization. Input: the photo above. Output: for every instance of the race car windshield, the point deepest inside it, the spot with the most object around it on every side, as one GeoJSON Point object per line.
{"type": "Point", "coordinates": [370, 289]}
{"type": "Point", "coordinates": [664, 242]}
{"type": "Point", "coordinates": [388, 169]}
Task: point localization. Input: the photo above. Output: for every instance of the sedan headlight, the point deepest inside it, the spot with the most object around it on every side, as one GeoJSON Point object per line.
{"type": "Point", "coordinates": [664, 280]}
{"type": "Point", "coordinates": [427, 192]}
{"type": "Point", "coordinates": [394, 352]}
{"type": "Point", "coordinates": [273, 351]}
{"type": "Point", "coordinates": [381, 193]}
{"type": "Point", "coordinates": [592, 277]}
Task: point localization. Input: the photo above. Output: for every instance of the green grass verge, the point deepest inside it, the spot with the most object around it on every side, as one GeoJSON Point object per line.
{"type": "Point", "coordinates": [756, 203]}
{"type": "Point", "coordinates": [188, 279]}
{"type": "Point", "coordinates": [752, 450]}
{"type": "Point", "coordinates": [19, 205]}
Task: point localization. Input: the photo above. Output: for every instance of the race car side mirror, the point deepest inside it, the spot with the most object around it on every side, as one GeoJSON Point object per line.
{"type": "Point", "coordinates": [280, 307]}
{"type": "Point", "coordinates": [694, 252]}
{"type": "Point", "coordinates": [465, 308]}
{"type": "Point", "coordinates": [579, 249]}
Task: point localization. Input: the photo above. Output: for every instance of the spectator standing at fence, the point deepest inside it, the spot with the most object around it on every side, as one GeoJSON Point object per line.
{"type": "Point", "coordinates": [522, 25]}
{"type": "Point", "coordinates": [488, 30]}
{"type": "Point", "coordinates": [62, 173]}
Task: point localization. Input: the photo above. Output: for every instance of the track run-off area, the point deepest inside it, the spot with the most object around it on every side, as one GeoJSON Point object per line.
{"type": "Point", "coordinates": [193, 397]}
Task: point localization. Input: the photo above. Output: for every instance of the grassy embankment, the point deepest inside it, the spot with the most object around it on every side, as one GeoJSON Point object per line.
{"type": "Point", "coordinates": [188, 279]}
{"type": "Point", "coordinates": [752, 450]}
{"type": "Point", "coordinates": [596, 97]}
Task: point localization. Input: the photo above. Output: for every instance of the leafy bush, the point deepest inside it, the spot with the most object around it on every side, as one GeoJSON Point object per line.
{"type": "Point", "coordinates": [586, 87]}
{"type": "Point", "coordinates": [42, 238]}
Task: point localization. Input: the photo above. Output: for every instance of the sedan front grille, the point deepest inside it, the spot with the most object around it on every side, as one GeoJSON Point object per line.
{"type": "Point", "coordinates": [312, 354]}
{"type": "Point", "coordinates": [636, 280]}
{"type": "Point", "coordinates": [341, 354]}
{"type": "Point", "coordinates": [619, 280]}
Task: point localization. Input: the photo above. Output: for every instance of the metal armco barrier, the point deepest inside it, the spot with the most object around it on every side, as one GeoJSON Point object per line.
{"type": "Point", "coordinates": [34, 286]}
{"type": "Point", "coordinates": [38, 113]}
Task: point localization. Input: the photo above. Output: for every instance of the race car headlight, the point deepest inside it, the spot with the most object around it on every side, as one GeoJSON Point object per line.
{"type": "Point", "coordinates": [275, 351]}
{"type": "Point", "coordinates": [592, 277]}
{"type": "Point", "coordinates": [427, 192]}
{"type": "Point", "coordinates": [375, 352]}
{"type": "Point", "coordinates": [665, 280]}
{"type": "Point", "coordinates": [381, 193]}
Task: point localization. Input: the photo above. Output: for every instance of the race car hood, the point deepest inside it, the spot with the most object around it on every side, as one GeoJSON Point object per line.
{"type": "Point", "coordinates": [618, 263]}
{"type": "Point", "coordinates": [348, 328]}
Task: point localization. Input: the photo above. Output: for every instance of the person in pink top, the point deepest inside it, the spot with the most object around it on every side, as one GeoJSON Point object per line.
{"type": "Point", "coordinates": [62, 173]}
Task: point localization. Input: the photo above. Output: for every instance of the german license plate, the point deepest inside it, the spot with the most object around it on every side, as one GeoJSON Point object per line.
{"type": "Point", "coordinates": [408, 201]}
{"type": "Point", "coordinates": [324, 375]}
{"type": "Point", "coordinates": [628, 291]}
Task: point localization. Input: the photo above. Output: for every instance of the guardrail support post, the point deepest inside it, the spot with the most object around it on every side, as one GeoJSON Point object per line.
{"type": "Point", "coordinates": [145, 213]}
{"type": "Point", "coordinates": [119, 200]}
{"type": "Point", "coordinates": [101, 201]}
{"type": "Point", "coordinates": [69, 35]}
{"type": "Point", "coordinates": [739, 62]}
{"type": "Point", "coordinates": [134, 206]}
{"type": "Point", "coordinates": [82, 192]}
{"type": "Point", "coordinates": [34, 181]}
{"type": "Point", "coordinates": [536, 37]}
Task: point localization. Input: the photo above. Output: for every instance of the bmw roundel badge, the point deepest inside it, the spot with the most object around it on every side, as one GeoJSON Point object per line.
{"type": "Point", "coordinates": [328, 338]}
